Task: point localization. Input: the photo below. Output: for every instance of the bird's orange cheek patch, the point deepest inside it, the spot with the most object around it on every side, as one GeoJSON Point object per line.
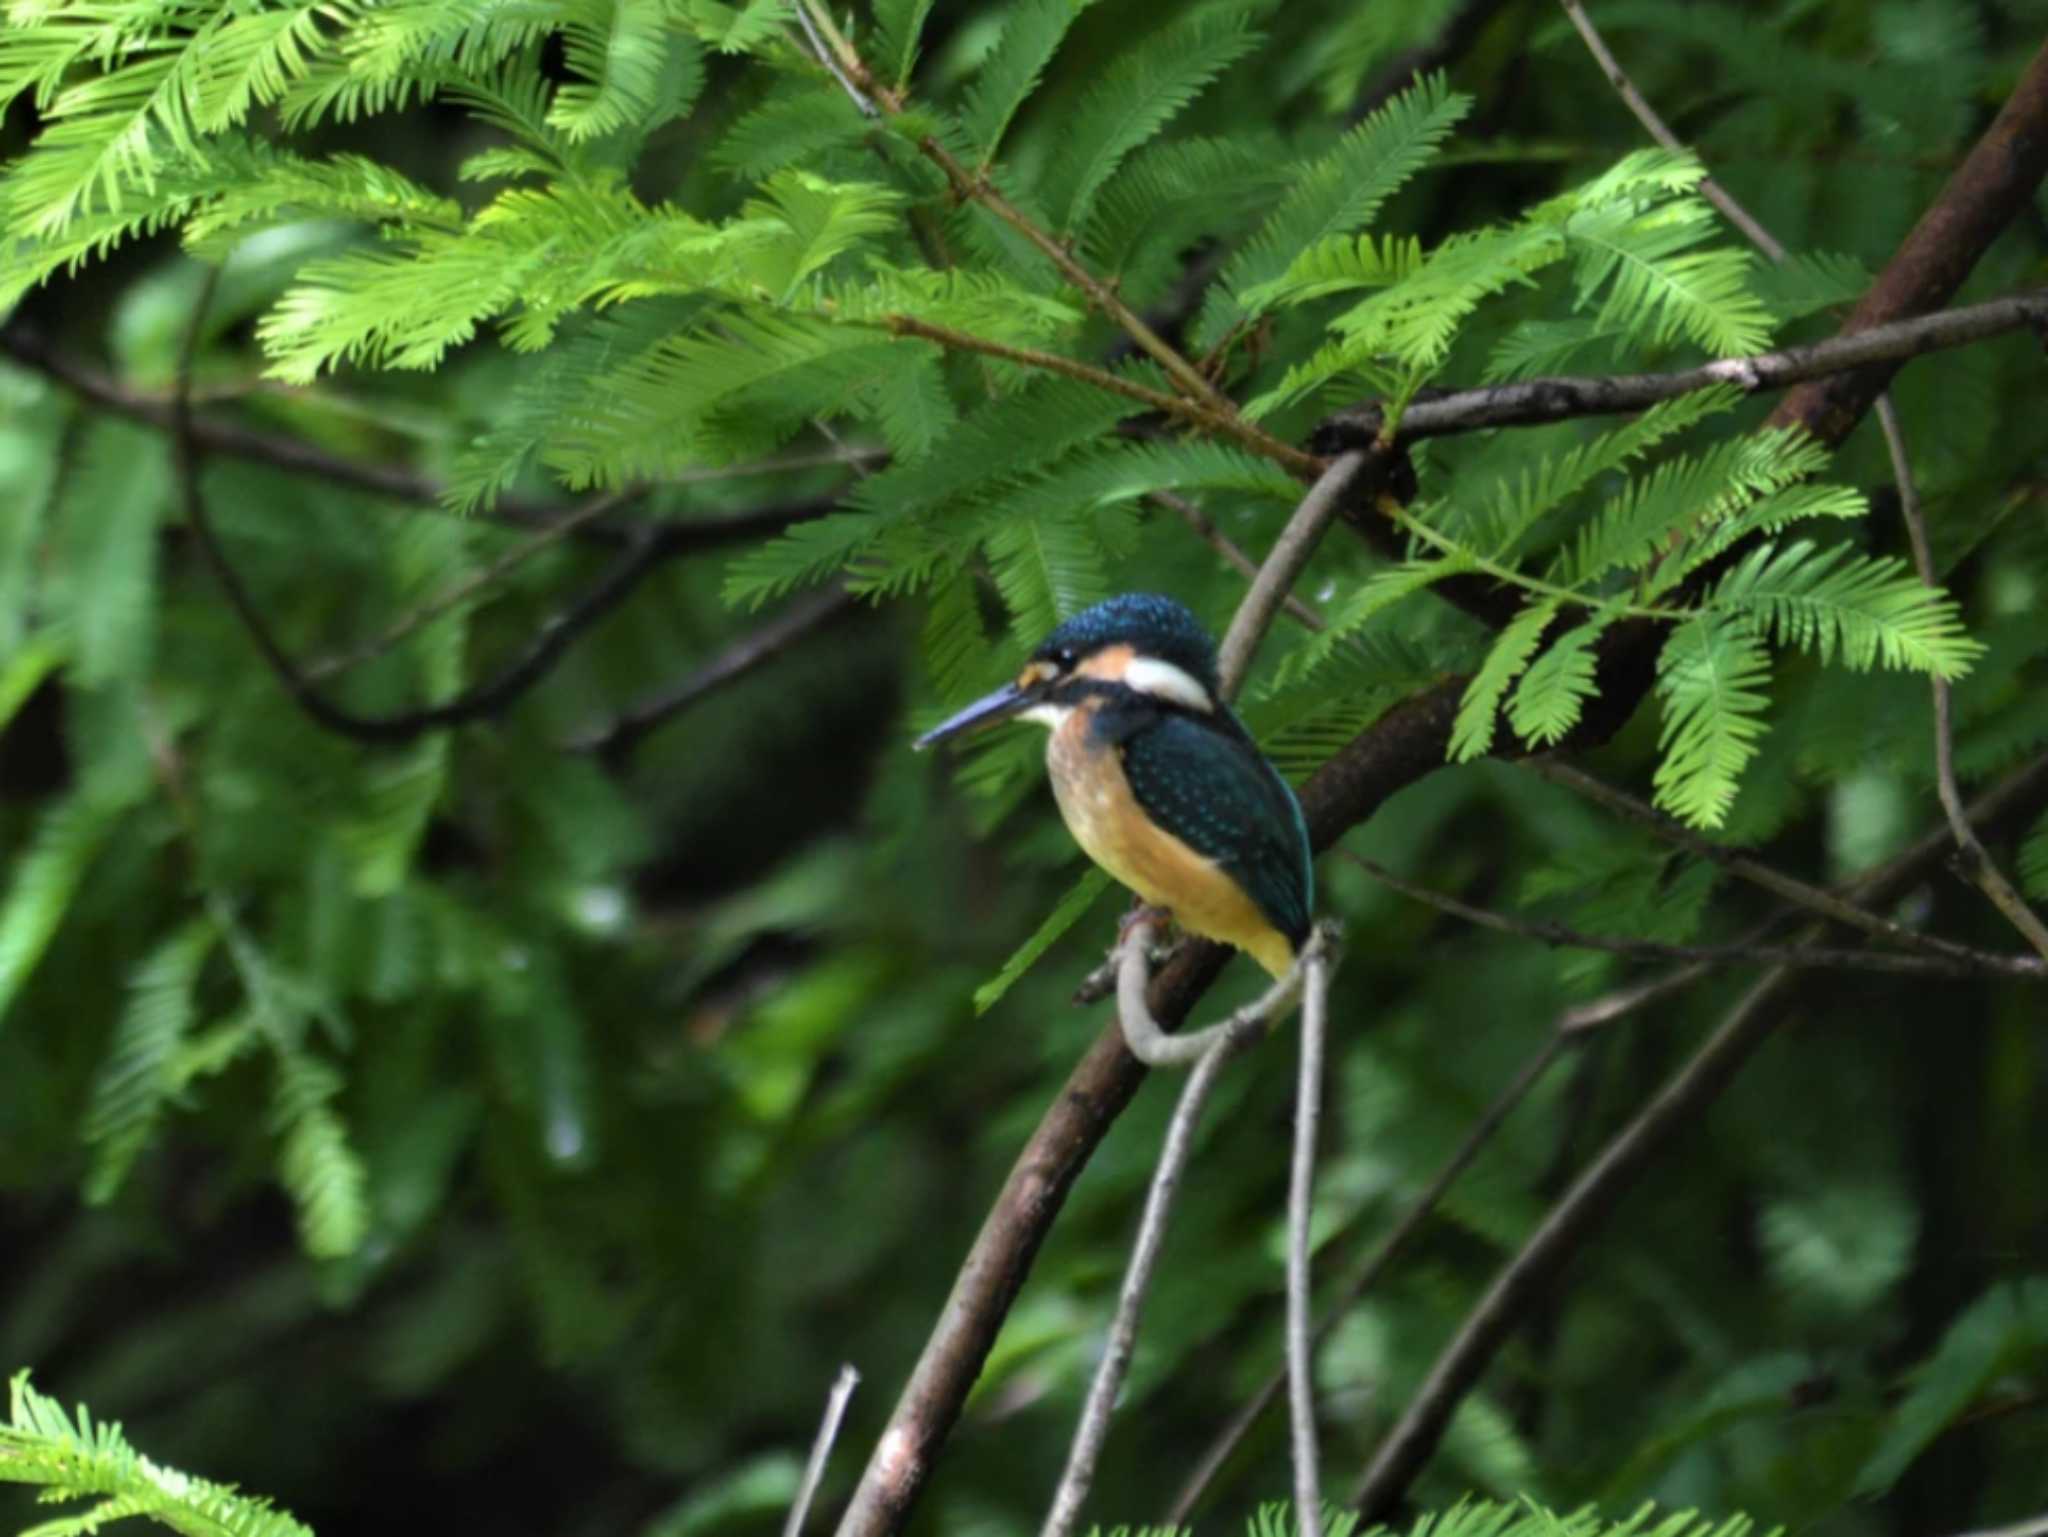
{"type": "Point", "coordinates": [1109, 664]}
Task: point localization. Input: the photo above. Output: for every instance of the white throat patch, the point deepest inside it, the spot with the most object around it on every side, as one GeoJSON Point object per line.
{"type": "Point", "coordinates": [1163, 680]}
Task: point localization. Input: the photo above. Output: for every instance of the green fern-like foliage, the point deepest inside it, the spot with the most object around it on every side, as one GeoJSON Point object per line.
{"type": "Point", "coordinates": [73, 1458]}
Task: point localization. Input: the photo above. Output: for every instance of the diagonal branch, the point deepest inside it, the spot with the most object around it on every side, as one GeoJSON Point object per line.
{"type": "Point", "coordinates": [1594, 1195]}
{"type": "Point", "coordinates": [1284, 564]}
{"type": "Point", "coordinates": [615, 741]}
{"type": "Point", "coordinates": [1817, 899]}
{"type": "Point", "coordinates": [841, 59]}
{"type": "Point", "coordinates": [1531, 402]}
{"type": "Point", "coordinates": [1739, 954]}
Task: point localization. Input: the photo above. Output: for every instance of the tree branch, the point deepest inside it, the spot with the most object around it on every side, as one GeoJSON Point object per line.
{"type": "Point", "coordinates": [1285, 562]}
{"type": "Point", "coordinates": [1975, 864]}
{"type": "Point", "coordinates": [615, 741]}
{"type": "Point", "coordinates": [846, 65]}
{"type": "Point", "coordinates": [1601, 1186]}
{"type": "Point", "coordinates": [1819, 900]}
{"type": "Point", "coordinates": [398, 484]}
{"type": "Point", "coordinates": [1223, 423]}
{"type": "Point", "coordinates": [1740, 954]}
{"type": "Point", "coordinates": [821, 1449]}
{"type": "Point", "coordinates": [1086, 1451]}
{"type": "Point", "coordinates": [1384, 1253]}
{"type": "Point", "coordinates": [1533, 401]}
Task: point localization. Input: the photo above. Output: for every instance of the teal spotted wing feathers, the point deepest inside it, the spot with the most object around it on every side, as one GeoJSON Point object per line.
{"type": "Point", "coordinates": [1210, 788]}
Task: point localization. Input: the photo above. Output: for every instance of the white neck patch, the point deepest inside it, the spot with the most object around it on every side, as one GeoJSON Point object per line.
{"type": "Point", "coordinates": [1163, 680]}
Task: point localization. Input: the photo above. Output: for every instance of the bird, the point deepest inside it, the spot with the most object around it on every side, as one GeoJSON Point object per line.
{"type": "Point", "coordinates": [1156, 778]}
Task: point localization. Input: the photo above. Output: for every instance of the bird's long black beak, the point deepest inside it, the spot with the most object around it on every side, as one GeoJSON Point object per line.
{"type": "Point", "coordinates": [985, 711]}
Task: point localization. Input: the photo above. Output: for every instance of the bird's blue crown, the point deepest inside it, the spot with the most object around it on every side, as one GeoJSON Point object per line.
{"type": "Point", "coordinates": [1150, 623]}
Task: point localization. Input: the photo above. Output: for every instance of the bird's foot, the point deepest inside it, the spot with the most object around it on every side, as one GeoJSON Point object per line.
{"type": "Point", "coordinates": [1101, 982]}
{"type": "Point", "coordinates": [1158, 918]}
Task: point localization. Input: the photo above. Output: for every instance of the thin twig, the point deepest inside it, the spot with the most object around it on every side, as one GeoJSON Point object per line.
{"type": "Point", "coordinates": [1737, 954]}
{"type": "Point", "coordinates": [1093, 1429]}
{"type": "Point", "coordinates": [837, 70]}
{"type": "Point", "coordinates": [821, 1449]}
{"type": "Point", "coordinates": [975, 186]}
{"type": "Point", "coordinates": [459, 592]}
{"type": "Point", "coordinates": [1835, 908]}
{"type": "Point", "coordinates": [1206, 530]}
{"type": "Point", "coordinates": [1384, 1253]}
{"type": "Point", "coordinates": [1977, 865]}
{"type": "Point", "coordinates": [1656, 127]}
{"type": "Point", "coordinates": [1283, 565]}
{"type": "Point", "coordinates": [1600, 1187]}
{"type": "Point", "coordinates": [1308, 1098]}
{"type": "Point", "coordinates": [2034, 1526]}
{"type": "Point", "coordinates": [615, 740]}
{"type": "Point", "coordinates": [1534, 401]}
{"type": "Point", "coordinates": [1224, 423]}
{"type": "Point", "coordinates": [1973, 860]}
{"type": "Point", "coordinates": [397, 484]}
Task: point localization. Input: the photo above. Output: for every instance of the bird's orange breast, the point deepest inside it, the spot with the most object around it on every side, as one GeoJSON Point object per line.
{"type": "Point", "coordinates": [1105, 818]}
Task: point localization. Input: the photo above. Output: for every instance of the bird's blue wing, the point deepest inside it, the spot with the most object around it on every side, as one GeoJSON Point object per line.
{"type": "Point", "coordinates": [1214, 792]}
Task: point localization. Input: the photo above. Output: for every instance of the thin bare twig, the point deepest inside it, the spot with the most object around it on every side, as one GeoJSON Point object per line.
{"type": "Point", "coordinates": [1308, 1099]}
{"type": "Point", "coordinates": [1972, 859]}
{"type": "Point", "coordinates": [616, 739]}
{"type": "Point", "coordinates": [1740, 953]}
{"type": "Point", "coordinates": [1225, 423]}
{"type": "Point", "coordinates": [1838, 909]}
{"type": "Point", "coordinates": [1160, 1048]}
{"type": "Point", "coordinates": [821, 1449]}
{"type": "Point", "coordinates": [1093, 1430]}
{"type": "Point", "coordinates": [1375, 1265]}
{"type": "Point", "coordinates": [1283, 564]}
{"type": "Point", "coordinates": [459, 592]}
{"type": "Point", "coordinates": [1206, 530]}
{"type": "Point", "coordinates": [1645, 114]}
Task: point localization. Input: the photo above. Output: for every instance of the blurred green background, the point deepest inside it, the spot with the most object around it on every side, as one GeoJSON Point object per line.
{"type": "Point", "coordinates": [547, 1128]}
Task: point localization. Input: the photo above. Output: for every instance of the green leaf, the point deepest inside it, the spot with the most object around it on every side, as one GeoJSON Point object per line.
{"type": "Point", "coordinates": [107, 550]}
{"type": "Point", "coordinates": [139, 1073]}
{"type": "Point", "coordinates": [1553, 692]}
{"type": "Point", "coordinates": [1015, 64]}
{"type": "Point", "coordinates": [2034, 860]}
{"type": "Point", "coordinates": [2004, 1330]}
{"type": "Point", "coordinates": [1138, 95]}
{"type": "Point", "coordinates": [1711, 675]}
{"type": "Point", "coordinates": [1472, 731]}
{"type": "Point", "coordinates": [898, 24]}
{"type": "Point", "coordinates": [78, 1458]}
{"type": "Point", "coordinates": [319, 1169]}
{"type": "Point", "coordinates": [1068, 911]}
{"type": "Point", "coordinates": [47, 876]}
{"type": "Point", "coordinates": [620, 57]}
{"type": "Point", "coordinates": [1336, 192]}
{"type": "Point", "coordinates": [1866, 609]}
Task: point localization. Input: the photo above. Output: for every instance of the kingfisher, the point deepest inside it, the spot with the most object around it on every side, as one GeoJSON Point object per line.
{"type": "Point", "coordinates": [1157, 780]}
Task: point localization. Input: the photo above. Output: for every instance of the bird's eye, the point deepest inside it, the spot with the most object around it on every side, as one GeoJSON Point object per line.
{"type": "Point", "coordinates": [1065, 658]}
